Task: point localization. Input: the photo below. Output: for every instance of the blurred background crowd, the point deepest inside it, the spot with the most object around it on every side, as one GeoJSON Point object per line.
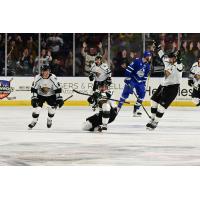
{"type": "Point", "coordinates": [72, 54]}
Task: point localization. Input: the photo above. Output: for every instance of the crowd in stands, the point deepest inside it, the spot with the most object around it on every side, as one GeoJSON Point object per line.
{"type": "Point", "coordinates": [88, 46]}
{"type": "Point", "coordinates": [2, 53]}
{"type": "Point", "coordinates": [125, 47]}
{"type": "Point", "coordinates": [56, 50]}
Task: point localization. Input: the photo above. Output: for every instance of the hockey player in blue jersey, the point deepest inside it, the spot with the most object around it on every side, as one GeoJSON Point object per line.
{"type": "Point", "coordinates": [136, 76]}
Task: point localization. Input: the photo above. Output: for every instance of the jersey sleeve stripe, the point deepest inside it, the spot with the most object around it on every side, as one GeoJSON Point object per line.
{"type": "Point", "coordinates": [128, 70]}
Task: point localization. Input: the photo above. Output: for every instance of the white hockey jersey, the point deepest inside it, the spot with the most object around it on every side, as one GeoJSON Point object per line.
{"type": "Point", "coordinates": [175, 70]}
{"type": "Point", "coordinates": [46, 87]}
{"type": "Point", "coordinates": [195, 70]}
{"type": "Point", "coordinates": [101, 72]}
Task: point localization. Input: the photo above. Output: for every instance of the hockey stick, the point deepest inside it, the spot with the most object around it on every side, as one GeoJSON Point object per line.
{"type": "Point", "coordinates": [68, 97]}
{"type": "Point", "coordinates": [142, 105]}
{"type": "Point", "coordinates": [89, 95]}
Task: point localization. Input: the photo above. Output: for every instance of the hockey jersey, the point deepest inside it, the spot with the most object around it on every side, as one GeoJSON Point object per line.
{"type": "Point", "coordinates": [138, 70]}
{"type": "Point", "coordinates": [174, 69]}
{"type": "Point", "coordinates": [195, 70]}
{"type": "Point", "coordinates": [101, 72]}
{"type": "Point", "coordinates": [46, 87]}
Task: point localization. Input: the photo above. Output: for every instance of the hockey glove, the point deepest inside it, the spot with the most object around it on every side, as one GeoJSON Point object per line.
{"type": "Point", "coordinates": [91, 76]}
{"type": "Point", "coordinates": [178, 57]}
{"type": "Point", "coordinates": [190, 82]}
{"type": "Point", "coordinates": [34, 101]}
{"type": "Point", "coordinates": [90, 100]}
{"type": "Point", "coordinates": [157, 45]}
{"type": "Point", "coordinates": [59, 101]}
{"type": "Point", "coordinates": [127, 80]}
{"type": "Point", "coordinates": [109, 81]}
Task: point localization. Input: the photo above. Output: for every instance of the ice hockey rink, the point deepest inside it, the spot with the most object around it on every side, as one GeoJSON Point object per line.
{"type": "Point", "coordinates": [175, 142]}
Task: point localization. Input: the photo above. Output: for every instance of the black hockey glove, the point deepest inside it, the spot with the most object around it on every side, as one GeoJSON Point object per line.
{"type": "Point", "coordinates": [91, 76]}
{"type": "Point", "coordinates": [59, 101]}
{"type": "Point", "coordinates": [96, 96]}
{"type": "Point", "coordinates": [190, 82]}
{"type": "Point", "coordinates": [108, 94]}
{"type": "Point", "coordinates": [34, 101]}
{"type": "Point", "coordinates": [178, 57]}
{"type": "Point", "coordinates": [157, 46]}
{"type": "Point", "coordinates": [109, 81]}
{"type": "Point", "coordinates": [90, 100]}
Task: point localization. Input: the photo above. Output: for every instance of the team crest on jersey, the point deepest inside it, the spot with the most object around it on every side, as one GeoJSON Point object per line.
{"type": "Point", "coordinates": [140, 73]}
{"type": "Point", "coordinates": [5, 88]}
{"type": "Point", "coordinates": [45, 90]}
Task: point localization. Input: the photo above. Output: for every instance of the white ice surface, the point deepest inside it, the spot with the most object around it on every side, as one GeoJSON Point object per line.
{"type": "Point", "coordinates": [175, 142]}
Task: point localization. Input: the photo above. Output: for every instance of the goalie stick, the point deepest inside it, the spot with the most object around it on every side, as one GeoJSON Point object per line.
{"type": "Point", "coordinates": [89, 95]}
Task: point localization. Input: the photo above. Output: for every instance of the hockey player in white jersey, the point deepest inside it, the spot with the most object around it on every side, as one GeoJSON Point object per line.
{"type": "Point", "coordinates": [45, 88]}
{"type": "Point", "coordinates": [194, 81]}
{"type": "Point", "coordinates": [168, 89]}
{"type": "Point", "coordinates": [100, 72]}
{"type": "Point", "coordinates": [107, 110]}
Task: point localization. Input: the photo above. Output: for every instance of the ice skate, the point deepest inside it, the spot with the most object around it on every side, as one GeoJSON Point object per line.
{"type": "Point", "coordinates": [32, 124]}
{"type": "Point", "coordinates": [151, 125]}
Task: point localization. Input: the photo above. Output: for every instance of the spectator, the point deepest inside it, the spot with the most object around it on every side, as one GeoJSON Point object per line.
{"type": "Point", "coordinates": [2, 54]}
{"type": "Point", "coordinates": [25, 64]}
{"type": "Point", "coordinates": [45, 58]}
{"type": "Point", "coordinates": [120, 63]}
{"type": "Point", "coordinates": [55, 43]}
{"type": "Point", "coordinates": [60, 46]}
{"type": "Point", "coordinates": [69, 64]}
{"type": "Point", "coordinates": [89, 54]}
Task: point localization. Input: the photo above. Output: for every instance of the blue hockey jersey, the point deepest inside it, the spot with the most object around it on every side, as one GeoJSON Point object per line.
{"type": "Point", "coordinates": [138, 71]}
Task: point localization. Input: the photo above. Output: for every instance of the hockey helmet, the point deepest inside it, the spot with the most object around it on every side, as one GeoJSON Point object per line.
{"type": "Point", "coordinates": [45, 67]}
{"type": "Point", "coordinates": [98, 57]}
{"type": "Point", "coordinates": [146, 54]}
{"type": "Point", "coordinates": [171, 55]}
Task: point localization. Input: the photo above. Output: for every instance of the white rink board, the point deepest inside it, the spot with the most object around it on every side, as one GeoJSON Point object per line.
{"type": "Point", "coordinates": [21, 87]}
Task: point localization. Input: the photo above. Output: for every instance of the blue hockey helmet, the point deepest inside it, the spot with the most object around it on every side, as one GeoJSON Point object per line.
{"type": "Point", "coordinates": [146, 54]}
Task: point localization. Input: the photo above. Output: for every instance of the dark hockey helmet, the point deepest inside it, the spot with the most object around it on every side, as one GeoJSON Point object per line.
{"type": "Point", "coordinates": [171, 55]}
{"type": "Point", "coordinates": [98, 57]}
{"type": "Point", "coordinates": [45, 67]}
